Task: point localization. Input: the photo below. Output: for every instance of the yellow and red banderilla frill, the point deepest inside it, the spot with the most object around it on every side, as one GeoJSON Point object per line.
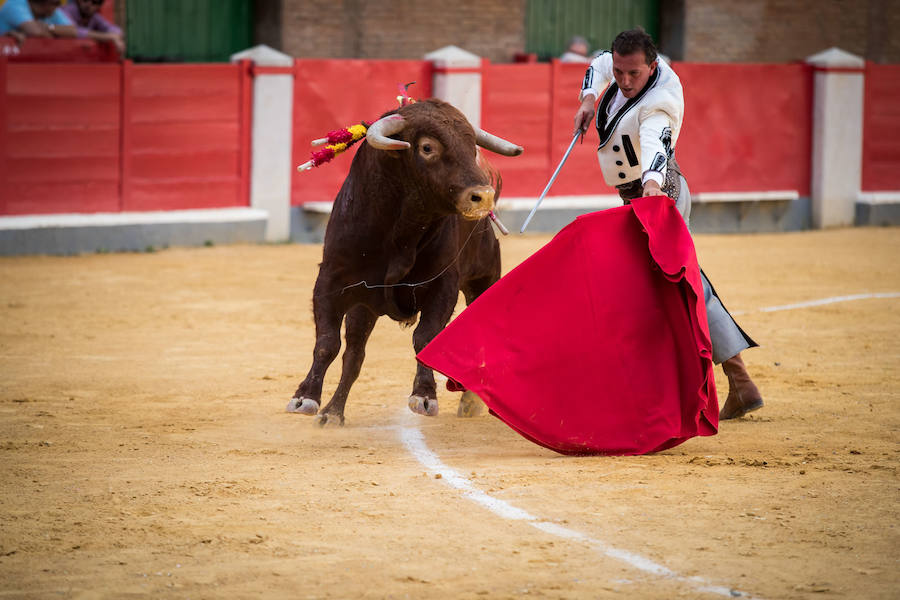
{"type": "Point", "coordinates": [341, 139]}
{"type": "Point", "coordinates": [335, 142]}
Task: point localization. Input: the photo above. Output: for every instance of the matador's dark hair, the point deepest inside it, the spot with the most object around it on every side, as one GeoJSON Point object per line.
{"type": "Point", "coordinates": [635, 40]}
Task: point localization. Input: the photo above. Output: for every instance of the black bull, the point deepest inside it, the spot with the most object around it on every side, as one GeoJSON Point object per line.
{"type": "Point", "coordinates": [408, 231]}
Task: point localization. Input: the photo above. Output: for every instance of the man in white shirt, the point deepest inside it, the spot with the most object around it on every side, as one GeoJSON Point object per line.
{"type": "Point", "coordinates": [576, 51]}
{"type": "Point", "coordinates": [639, 120]}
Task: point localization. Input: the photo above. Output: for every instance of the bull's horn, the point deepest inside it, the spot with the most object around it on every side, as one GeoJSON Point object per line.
{"type": "Point", "coordinates": [378, 132]}
{"type": "Point", "coordinates": [496, 144]}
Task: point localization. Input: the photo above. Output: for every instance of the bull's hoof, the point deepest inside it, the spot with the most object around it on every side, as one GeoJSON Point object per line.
{"type": "Point", "coordinates": [303, 406]}
{"type": "Point", "coordinates": [470, 405]}
{"type": "Point", "coordinates": [329, 420]}
{"type": "Point", "coordinates": [423, 406]}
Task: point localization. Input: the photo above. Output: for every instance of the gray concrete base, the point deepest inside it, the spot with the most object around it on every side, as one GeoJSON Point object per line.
{"type": "Point", "coordinates": [751, 216]}
{"type": "Point", "coordinates": [707, 216]}
{"type": "Point", "coordinates": [550, 220]}
{"type": "Point", "coordinates": [114, 232]}
{"type": "Point", "coordinates": [308, 222]}
{"type": "Point", "coordinates": [883, 214]}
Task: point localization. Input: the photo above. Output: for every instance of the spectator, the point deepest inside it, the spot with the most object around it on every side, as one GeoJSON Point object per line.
{"type": "Point", "coordinates": [35, 18]}
{"type": "Point", "coordinates": [577, 51]}
{"type": "Point", "coordinates": [91, 24]}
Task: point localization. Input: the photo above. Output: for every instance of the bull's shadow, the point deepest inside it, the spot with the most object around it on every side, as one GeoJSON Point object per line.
{"type": "Point", "coordinates": [409, 230]}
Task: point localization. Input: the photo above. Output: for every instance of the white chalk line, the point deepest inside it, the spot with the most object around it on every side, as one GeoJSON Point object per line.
{"type": "Point", "coordinates": [820, 302]}
{"type": "Point", "coordinates": [414, 441]}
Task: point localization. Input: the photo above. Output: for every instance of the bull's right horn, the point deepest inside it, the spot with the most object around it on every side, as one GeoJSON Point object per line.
{"type": "Point", "coordinates": [378, 132]}
{"type": "Point", "coordinates": [496, 144]}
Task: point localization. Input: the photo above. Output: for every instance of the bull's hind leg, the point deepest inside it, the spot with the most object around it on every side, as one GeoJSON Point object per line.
{"type": "Point", "coordinates": [306, 399]}
{"type": "Point", "coordinates": [470, 405]}
{"type": "Point", "coordinates": [360, 322]}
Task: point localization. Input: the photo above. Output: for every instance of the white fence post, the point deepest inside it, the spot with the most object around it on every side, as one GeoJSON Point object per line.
{"type": "Point", "coordinates": [272, 137]}
{"type": "Point", "coordinates": [837, 136]}
{"type": "Point", "coordinates": [457, 80]}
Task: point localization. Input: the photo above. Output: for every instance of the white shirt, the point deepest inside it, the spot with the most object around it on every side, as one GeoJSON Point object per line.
{"type": "Point", "coordinates": [651, 120]}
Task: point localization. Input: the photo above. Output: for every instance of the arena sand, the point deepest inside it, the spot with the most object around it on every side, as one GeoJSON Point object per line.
{"type": "Point", "coordinates": [146, 451]}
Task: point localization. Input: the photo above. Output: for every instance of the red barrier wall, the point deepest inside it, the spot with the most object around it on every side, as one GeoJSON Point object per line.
{"type": "Point", "coordinates": [517, 102]}
{"type": "Point", "coordinates": [533, 105]}
{"type": "Point", "coordinates": [332, 94]}
{"type": "Point", "coordinates": [746, 128]}
{"type": "Point", "coordinates": [183, 147]}
{"type": "Point", "coordinates": [881, 128]}
{"type": "Point", "coordinates": [105, 137]}
{"type": "Point", "coordinates": [61, 138]}
{"type": "Point", "coordinates": [111, 137]}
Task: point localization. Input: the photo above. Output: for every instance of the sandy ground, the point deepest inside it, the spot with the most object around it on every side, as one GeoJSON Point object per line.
{"type": "Point", "coordinates": [146, 451]}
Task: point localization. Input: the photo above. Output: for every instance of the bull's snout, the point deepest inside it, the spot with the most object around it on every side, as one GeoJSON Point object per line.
{"type": "Point", "coordinates": [476, 202]}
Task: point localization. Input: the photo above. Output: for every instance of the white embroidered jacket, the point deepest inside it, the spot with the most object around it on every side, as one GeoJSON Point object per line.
{"type": "Point", "coordinates": [638, 139]}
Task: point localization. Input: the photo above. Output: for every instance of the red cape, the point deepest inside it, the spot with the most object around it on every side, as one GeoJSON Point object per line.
{"type": "Point", "coordinates": [596, 344]}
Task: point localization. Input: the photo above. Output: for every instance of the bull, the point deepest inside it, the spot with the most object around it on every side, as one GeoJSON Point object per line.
{"type": "Point", "coordinates": [408, 231]}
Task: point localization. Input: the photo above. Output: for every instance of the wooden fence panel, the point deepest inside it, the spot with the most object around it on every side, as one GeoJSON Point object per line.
{"type": "Point", "coordinates": [332, 94]}
{"type": "Point", "coordinates": [61, 138]}
{"type": "Point", "coordinates": [184, 148]}
{"type": "Point", "coordinates": [84, 138]}
{"type": "Point", "coordinates": [881, 128]}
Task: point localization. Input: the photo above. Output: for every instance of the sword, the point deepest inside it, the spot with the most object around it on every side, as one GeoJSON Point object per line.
{"type": "Point", "coordinates": [578, 133]}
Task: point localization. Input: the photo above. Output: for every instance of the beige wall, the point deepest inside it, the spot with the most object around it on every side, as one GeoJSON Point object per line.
{"type": "Point", "coordinates": [789, 30]}
{"type": "Point", "coordinates": [692, 30]}
{"type": "Point", "coordinates": [401, 29]}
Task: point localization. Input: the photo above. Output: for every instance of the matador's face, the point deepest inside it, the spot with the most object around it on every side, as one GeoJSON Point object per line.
{"type": "Point", "coordinates": [632, 72]}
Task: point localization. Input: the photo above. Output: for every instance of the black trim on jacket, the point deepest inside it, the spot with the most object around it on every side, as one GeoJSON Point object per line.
{"type": "Point", "coordinates": [606, 129]}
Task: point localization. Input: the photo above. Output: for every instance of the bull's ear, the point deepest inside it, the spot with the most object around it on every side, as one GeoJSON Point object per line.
{"type": "Point", "coordinates": [378, 132]}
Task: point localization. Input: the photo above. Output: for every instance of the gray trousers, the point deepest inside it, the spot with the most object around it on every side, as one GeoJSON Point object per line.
{"type": "Point", "coordinates": [727, 337]}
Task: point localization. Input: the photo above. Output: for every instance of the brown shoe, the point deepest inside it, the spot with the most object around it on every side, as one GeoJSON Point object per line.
{"type": "Point", "coordinates": [743, 396]}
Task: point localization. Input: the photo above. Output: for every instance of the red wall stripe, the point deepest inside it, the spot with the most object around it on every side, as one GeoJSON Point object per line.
{"type": "Point", "coordinates": [332, 94]}
{"type": "Point", "coordinates": [125, 82]}
{"type": "Point", "coordinates": [111, 137]}
{"type": "Point", "coordinates": [881, 128]}
{"type": "Point", "coordinates": [4, 134]}
{"type": "Point", "coordinates": [184, 137]}
{"type": "Point", "coordinates": [245, 83]}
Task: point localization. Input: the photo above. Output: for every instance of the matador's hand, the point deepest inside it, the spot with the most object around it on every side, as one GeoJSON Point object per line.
{"type": "Point", "coordinates": [585, 114]}
{"type": "Point", "coordinates": [651, 188]}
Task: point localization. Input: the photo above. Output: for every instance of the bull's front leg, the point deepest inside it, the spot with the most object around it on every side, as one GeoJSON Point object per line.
{"type": "Point", "coordinates": [328, 317]}
{"type": "Point", "coordinates": [435, 317]}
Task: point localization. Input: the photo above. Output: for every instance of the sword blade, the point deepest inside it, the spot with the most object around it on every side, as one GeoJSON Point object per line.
{"type": "Point", "coordinates": [552, 179]}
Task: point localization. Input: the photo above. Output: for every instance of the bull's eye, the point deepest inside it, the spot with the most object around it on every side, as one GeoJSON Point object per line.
{"type": "Point", "coordinates": [429, 148]}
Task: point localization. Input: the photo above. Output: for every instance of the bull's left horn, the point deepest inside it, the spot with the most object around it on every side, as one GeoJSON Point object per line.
{"type": "Point", "coordinates": [378, 132]}
{"type": "Point", "coordinates": [496, 144]}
